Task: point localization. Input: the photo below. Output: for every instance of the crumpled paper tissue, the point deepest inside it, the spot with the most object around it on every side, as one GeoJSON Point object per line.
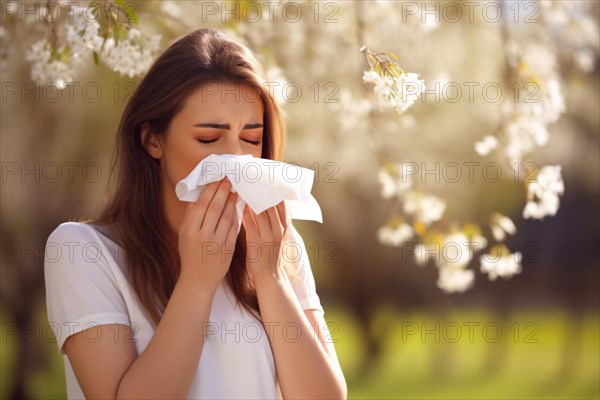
{"type": "Point", "coordinates": [260, 183]}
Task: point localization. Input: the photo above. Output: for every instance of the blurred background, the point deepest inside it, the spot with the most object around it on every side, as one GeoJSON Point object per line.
{"type": "Point", "coordinates": [397, 334]}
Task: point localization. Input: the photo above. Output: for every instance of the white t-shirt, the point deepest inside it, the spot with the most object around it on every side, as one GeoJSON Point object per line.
{"type": "Point", "coordinates": [86, 286]}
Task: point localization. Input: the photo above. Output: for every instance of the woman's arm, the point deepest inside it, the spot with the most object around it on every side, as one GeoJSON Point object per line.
{"type": "Point", "coordinates": [304, 367]}
{"type": "Point", "coordinates": [108, 367]}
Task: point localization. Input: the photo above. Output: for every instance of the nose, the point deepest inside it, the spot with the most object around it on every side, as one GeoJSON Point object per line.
{"type": "Point", "coordinates": [232, 145]}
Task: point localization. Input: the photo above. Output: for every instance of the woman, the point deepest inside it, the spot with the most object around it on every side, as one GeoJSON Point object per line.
{"type": "Point", "coordinates": [158, 298]}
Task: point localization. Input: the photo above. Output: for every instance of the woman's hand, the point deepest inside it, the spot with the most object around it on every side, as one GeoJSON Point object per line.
{"type": "Point", "coordinates": [208, 234]}
{"type": "Point", "coordinates": [264, 234]}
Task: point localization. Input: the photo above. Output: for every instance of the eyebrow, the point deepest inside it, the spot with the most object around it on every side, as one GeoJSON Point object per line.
{"type": "Point", "coordinates": [226, 126]}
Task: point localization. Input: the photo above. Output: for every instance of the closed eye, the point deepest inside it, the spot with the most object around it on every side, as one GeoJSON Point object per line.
{"type": "Point", "coordinates": [255, 143]}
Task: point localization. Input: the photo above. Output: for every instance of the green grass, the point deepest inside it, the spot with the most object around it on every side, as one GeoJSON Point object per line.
{"type": "Point", "coordinates": [528, 356]}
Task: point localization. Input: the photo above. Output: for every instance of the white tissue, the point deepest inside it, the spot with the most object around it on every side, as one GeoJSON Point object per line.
{"type": "Point", "coordinates": [259, 182]}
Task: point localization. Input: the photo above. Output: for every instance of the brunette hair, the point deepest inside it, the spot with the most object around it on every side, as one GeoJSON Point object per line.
{"type": "Point", "coordinates": [133, 211]}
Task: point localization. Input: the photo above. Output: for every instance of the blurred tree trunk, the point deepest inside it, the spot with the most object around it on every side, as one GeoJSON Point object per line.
{"type": "Point", "coordinates": [20, 292]}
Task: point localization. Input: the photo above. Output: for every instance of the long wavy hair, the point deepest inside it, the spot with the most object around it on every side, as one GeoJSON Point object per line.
{"type": "Point", "coordinates": [133, 209]}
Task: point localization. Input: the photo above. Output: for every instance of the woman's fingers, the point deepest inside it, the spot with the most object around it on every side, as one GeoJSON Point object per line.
{"type": "Point", "coordinates": [197, 210]}
{"type": "Point", "coordinates": [283, 215]}
{"type": "Point", "coordinates": [232, 234]}
{"type": "Point", "coordinates": [250, 222]}
{"type": "Point", "coordinates": [274, 222]}
{"type": "Point", "coordinates": [213, 213]}
{"type": "Point", "coordinates": [262, 221]}
{"type": "Point", "coordinates": [227, 218]}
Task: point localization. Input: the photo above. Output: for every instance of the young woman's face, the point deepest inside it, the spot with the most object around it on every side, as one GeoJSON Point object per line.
{"type": "Point", "coordinates": [217, 118]}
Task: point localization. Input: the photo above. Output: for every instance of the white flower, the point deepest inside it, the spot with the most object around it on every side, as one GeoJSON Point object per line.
{"type": "Point", "coordinates": [82, 33]}
{"type": "Point", "coordinates": [409, 88]}
{"type": "Point", "coordinates": [501, 225]}
{"type": "Point", "coordinates": [399, 93]}
{"type": "Point", "coordinates": [549, 180]}
{"type": "Point", "coordinates": [573, 22]}
{"type": "Point", "coordinates": [505, 266]}
{"type": "Point", "coordinates": [81, 37]}
{"type": "Point", "coordinates": [535, 210]}
{"type": "Point", "coordinates": [541, 96]}
{"type": "Point", "coordinates": [542, 195]}
{"type": "Point", "coordinates": [388, 184]}
{"type": "Point", "coordinates": [46, 71]}
{"type": "Point", "coordinates": [584, 60]}
{"type": "Point", "coordinates": [552, 101]}
{"type": "Point", "coordinates": [532, 60]}
{"type": "Point", "coordinates": [371, 76]}
{"type": "Point", "coordinates": [134, 33]}
{"type": "Point", "coordinates": [423, 252]}
{"type": "Point", "coordinates": [486, 145]}
{"type": "Point", "coordinates": [394, 236]}
{"type": "Point", "coordinates": [132, 56]}
{"type": "Point", "coordinates": [426, 208]}
{"type": "Point", "coordinates": [384, 89]}
{"type": "Point", "coordinates": [455, 251]}
{"type": "Point", "coordinates": [452, 280]}
{"type": "Point", "coordinates": [478, 242]}
{"type": "Point", "coordinates": [540, 101]}
{"type": "Point", "coordinates": [393, 184]}
{"type": "Point", "coordinates": [523, 135]}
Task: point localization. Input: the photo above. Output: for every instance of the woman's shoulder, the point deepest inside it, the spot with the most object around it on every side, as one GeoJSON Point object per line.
{"type": "Point", "coordinates": [71, 229]}
{"type": "Point", "coordinates": [76, 230]}
{"type": "Point", "coordinates": [82, 241]}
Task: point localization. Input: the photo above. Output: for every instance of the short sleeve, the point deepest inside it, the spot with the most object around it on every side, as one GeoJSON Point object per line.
{"type": "Point", "coordinates": [81, 287]}
{"type": "Point", "coordinates": [301, 277]}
